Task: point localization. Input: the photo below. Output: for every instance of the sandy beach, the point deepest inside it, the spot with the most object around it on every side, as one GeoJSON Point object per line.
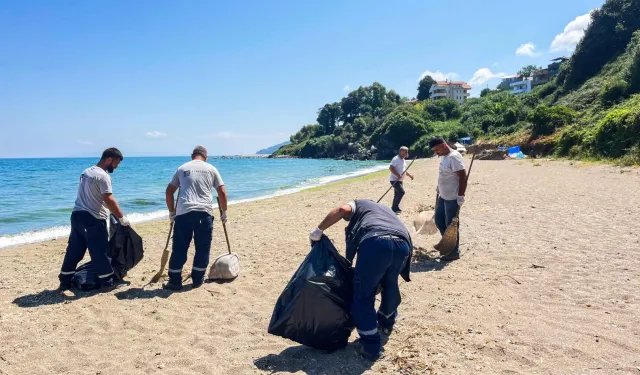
{"type": "Point", "coordinates": [548, 284]}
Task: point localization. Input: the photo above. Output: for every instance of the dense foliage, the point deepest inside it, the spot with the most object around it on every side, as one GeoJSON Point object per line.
{"type": "Point", "coordinates": [591, 109]}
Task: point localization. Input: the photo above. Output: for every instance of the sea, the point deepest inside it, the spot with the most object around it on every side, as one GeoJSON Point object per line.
{"type": "Point", "coordinates": [37, 195]}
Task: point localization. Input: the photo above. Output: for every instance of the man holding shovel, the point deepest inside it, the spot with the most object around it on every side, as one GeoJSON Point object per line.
{"type": "Point", "coordinates": [193, 217]}
{"type": "Point", "coordinates": [452, 184]}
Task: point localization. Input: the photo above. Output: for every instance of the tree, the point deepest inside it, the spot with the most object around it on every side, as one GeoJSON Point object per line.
{"type": "Point", "coordinates": [401, 128]}
{"type": "Point", "coordinates": [328, 117]}
{"type": "Point", "coordinates": [527, 71]}
{"type": "Point", "coordinates": [423, 88]}
{"type": "Point", "coordinates": [484, 92]}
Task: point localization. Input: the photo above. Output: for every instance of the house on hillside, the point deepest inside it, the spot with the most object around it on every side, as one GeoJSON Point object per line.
{"type": "Point", "coordinates": [543, 76]}
{"type": "Point", "coordinates": [456, 90]}
{"type": "Point", "coordinates": [521, 87]}
{"type": "Point", "coordinates": [508, 80]}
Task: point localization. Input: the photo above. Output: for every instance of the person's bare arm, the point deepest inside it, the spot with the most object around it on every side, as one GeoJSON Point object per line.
{"type": "Point", "coordinates": [462, 175]}
{"type": "Point", "coordinates": [112, 204]}
{"type": "Point", "coordinates": [342, 212]}
{"type": "Point", "coordinates": [222, 195]}
{"type": "Point", "coordinates": [169, 198]}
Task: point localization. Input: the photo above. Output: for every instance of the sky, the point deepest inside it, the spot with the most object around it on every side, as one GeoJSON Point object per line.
{"type": "Point", "coordinates": [157, 77]}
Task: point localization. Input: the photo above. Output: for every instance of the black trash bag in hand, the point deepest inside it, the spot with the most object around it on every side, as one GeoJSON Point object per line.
{"type": "Point", "coordinates": [315, 307]}
{"type": "Point", "coordinates": [125, 250]}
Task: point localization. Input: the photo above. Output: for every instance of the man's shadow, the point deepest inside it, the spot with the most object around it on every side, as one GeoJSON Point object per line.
{"type": "Point", "coordinates": [56, 296]}
{"type": "Point", "coordinates": [314, 362]}
{"type": "Point", "coordinates": [427, 261]}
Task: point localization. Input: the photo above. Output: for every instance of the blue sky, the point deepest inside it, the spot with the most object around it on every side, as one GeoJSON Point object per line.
{"type": "Point", "coordinates": [158, 77]}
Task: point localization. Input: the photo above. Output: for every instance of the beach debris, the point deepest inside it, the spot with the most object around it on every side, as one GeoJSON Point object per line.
{"type": "Point", "coordinates": [537, 266]}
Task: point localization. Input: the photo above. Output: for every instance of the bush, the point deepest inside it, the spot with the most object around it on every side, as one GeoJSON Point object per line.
{"type": "Point", "coordinates": [613, 90]}
{"type": "Point", "coordinates": [569, 141]}
{"type": "Point", "coordinates": [631, 158]}
{"type": "Point", "coordinates": [307, 132]}
{"type": "Point", "coordinates": [320, 147]}
{"type": "Point", "coordinates": [618, 132]}
{"type": "Point", "coordinates": [450, 130]}
{"type": "Point", "coordinates": [421, 147]}
{"type": "Point", "coordinates": [402, 127]}
{"type": "Point", "coordinates": [546, 119]}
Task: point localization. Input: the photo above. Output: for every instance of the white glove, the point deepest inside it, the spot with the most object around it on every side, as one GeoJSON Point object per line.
{"type": "Point", "coordinates": [316, 235]}
{"type": "Point", "coordinates": [172, 216]}
{"type": "Point", "coordinates": [460, 200]}
{"type": "Point", "coordinates": [124, 221]}
{"type": "Point", "coordinates": [223, 217]}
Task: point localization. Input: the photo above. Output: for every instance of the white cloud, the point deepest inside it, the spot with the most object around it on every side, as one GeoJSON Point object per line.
{"type": "Point", "coordinates": [573, 32]}
{"type": "Point", "coordinates": [484, 75]}
{"type": "Point", "coordinates": [155, 134]}
{"type": "Point", "coordinates": [527, 49]}
{"type": "Point", "coordinates": [86, 143]}
{"type": "Point", "coordinates": [438, 75]}
{"type": "Point", "coordinates": [346, 88]}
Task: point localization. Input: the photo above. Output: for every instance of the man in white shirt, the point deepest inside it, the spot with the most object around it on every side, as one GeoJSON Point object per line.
{"type": "Point", "coordinates": [194, 215]}
{"type": "Point", "coordinates": [452, 184]}
{"type": "Point", "coordinates": [397, 168]}
{"type": "Point", "coordinates": [89, 221]}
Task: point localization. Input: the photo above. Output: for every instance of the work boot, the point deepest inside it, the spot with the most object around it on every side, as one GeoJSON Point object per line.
{"type": "Point", "coordinates": [170, 286]}
{"type": "Point", "coordinates": [64, 285]}
{"type": "Point", "coordinates": [107, 284]}
{"type": "Point", "coordinates": [197, 283]}
{"type": "Point", "coordinates": [450, 258]}
{"type": "Point", "coordinates": [366, 355]}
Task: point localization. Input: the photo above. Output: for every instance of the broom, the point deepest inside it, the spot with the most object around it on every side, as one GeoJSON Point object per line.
{"type": "Point", "coordinates": [450, 236]}
{"type": "Point", "coordinates": [166, 252]}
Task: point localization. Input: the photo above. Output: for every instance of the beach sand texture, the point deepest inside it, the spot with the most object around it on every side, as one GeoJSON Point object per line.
{"type": "Point", "coordinates": [548, 283]}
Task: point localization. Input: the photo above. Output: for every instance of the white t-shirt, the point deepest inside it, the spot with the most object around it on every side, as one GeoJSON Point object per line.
{"type": "Point", "coordinates": [399, 165]}
{"type": "Point", "coordinates": [94, 182]}
{"type": "Point", "coordinates": [196, 180]}
{"type": "Point", "coordinates": [448, 180]}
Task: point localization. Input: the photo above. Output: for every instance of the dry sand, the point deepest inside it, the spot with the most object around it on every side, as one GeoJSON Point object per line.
{"type": "Point", "coordinates": [548, 284]}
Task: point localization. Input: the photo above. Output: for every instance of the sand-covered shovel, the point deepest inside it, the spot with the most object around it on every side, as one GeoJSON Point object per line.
{"type": "Point", "coordinates": [166, 252]}
{"type": "Point", "coordinates": [227, 266]}
{"type": "Point", "coordinates": [450, 236]}
{"type": "Point", "coordinates": [423, 225]}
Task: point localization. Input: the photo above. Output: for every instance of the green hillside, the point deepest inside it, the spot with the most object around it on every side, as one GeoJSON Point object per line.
{"type": "Point", "coordinates": [591, 109]}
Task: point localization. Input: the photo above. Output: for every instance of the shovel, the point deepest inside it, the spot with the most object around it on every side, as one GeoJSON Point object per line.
{"type": "Point", "coordinates": [227, 266]}
{"type": "Point", "coordinates": [450, 236]}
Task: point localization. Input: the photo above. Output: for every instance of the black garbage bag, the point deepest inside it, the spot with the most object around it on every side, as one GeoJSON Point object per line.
{"type": "Point", "coordinates": [125, 250]}
{"type": "Point", "coordinates": [314, 308]}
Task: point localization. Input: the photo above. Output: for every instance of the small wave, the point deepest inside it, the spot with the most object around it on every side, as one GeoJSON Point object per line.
{"type": "Point", "coordinates": [63, 231]}
{"type": "Point", "coordinates": [145, 202]}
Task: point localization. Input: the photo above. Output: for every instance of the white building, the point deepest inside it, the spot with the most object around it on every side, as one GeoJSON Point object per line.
{"type": "Point", "coordinates": [521, 87]}
{"type": "Point", "coordinates": [456, 90]}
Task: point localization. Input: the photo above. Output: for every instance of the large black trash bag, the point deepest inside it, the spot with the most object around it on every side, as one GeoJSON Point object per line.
{"type": "Point", "coordinates": [125, 250]}
{"type": "Point", "coordinates": [314, 308]}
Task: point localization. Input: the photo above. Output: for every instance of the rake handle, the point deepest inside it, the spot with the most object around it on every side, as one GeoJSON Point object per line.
{"type": "Point", "coordinates": [224, 226]}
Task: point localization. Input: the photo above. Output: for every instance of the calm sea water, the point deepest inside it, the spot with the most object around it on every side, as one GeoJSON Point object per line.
{"type": "Point", "coordinates": [38, 194]}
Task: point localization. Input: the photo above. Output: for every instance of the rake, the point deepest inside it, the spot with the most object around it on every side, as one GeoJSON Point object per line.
{"type": "Point", "coordinates": [450, 236]}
